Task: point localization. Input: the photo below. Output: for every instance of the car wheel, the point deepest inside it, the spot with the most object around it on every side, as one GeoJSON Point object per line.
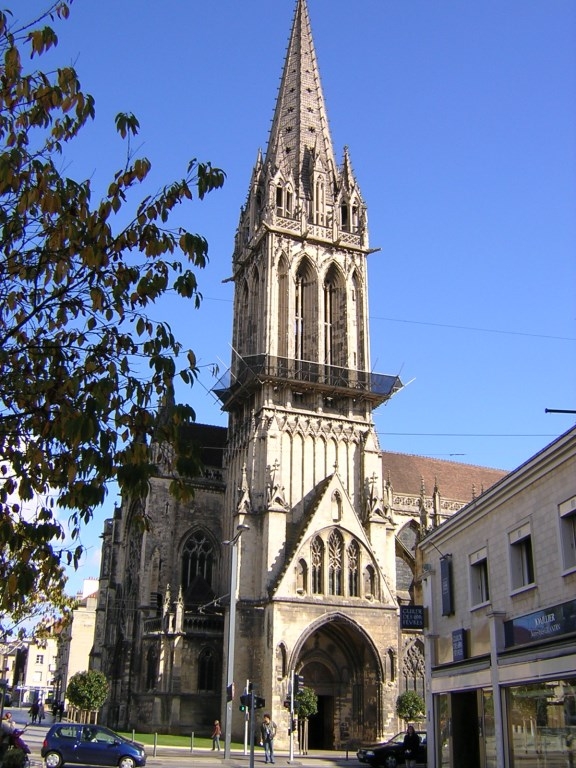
{"type": "Point", "coordinates": [53, 760]}
{"type": "Point", "coordinates": [390, 761]}
{"type": "Point", "coordinates": [126, 762]}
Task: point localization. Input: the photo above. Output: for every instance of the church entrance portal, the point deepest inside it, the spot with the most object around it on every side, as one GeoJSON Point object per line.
{"type": "Point", "coordinates": [339, 663]}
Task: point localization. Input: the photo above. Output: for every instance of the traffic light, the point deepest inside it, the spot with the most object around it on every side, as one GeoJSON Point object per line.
{"type": "Point", "coordinates": [259, 702]}
{"type": "Point", "coordinates": [245, 702]}
{"type": "Point", "coordinates": [286, 703]}
{"type": "Point", "coordinates": [298, 683]}
{"type": "Point", "coordinates": [293, 726]}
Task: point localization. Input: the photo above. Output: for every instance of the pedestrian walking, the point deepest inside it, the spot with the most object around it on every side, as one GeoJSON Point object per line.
{"type": "Point", "coordinates": [267, 734]}
{"type": "Point", "coordinates": [216, 733]}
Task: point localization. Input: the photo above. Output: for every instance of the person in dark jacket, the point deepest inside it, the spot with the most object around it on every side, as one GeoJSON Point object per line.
{"type": "Point", "coordinates": [411, 744]}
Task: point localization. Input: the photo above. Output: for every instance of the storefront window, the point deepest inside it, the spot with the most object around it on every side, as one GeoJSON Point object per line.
{"type": "Point", "coordinates": [442, 730]}
{"type": "Point", "coordinates": [489, 729]}
{"type": "Point", "coordinates": [542, 723]}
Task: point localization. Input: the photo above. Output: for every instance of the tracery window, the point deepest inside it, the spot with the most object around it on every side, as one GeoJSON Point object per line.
{"type": "Point", "coordinates": [317, 565]}
{"type": "Point", "coordinates": [353, 566]}
{"type": "Point", "coordinates": [335, 546]}
{"type": "Point", "coordinates": [197, 559]}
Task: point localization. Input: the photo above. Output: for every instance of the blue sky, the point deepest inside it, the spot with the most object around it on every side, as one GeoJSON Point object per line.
{"type": "Point", "coordinates": [461, 124]}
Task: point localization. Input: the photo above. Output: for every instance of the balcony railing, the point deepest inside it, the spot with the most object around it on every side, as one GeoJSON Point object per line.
{"type": "Point", "coordinates": [377, 386]}
{"type": "Point", "coordinates": [196, 624]}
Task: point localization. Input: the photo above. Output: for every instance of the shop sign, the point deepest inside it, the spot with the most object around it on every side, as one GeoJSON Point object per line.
{"type": "Point", "coordinates": [546, 624]}
{"type": "Point", "coordinates": [459, 645]}
{"type": "Point", "coordinates": [411, 617]}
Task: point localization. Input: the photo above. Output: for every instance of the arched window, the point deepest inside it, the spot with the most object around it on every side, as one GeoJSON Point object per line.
{"type": "Point", "coordinates": [335, 547]}
{"type": "Point", "coordinates": [302, 576]}
{"type": "Point", "coordinates": [319, 205]}
{"type": "Point", "coordinates": [357, 347]}
{"type": "Point", "coordinates": [317, 558]}
{"type": "Point", "coordinates": [284, 198]}
{"type": "Point", "coordinates": [281, 661]}
{"type": "Point", "coordinates": [207, 671]}
{"type": "Point", "coordinates": [392, 664]}
{"type": "Point", "coordinates": [353, 566]}
{"type": "Point", "coordinates": [305, 312]}
{"type": "Point", "coordinates": [369, 581]}
{"type": "Point", "coordinates": [283, 321]}
{"type": "Point", "coordinates": [336, 504]}
{"type": "Point", "coordinates": [242, 319]}
{"type": "Point", "coordinates": [197, 559]}
{"type": "Point", "coordinates": [252, 342]}
{"type": "Point", "coordinates": [334, 319]}
{"type": "Point", "coordinates": [151, 668]}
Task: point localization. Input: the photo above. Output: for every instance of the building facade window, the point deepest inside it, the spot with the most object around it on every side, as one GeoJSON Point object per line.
{"type": "Point", "coordinates": [521, 557]}
{"type": "Point", "coordinates": [567, 512]}
{"type": "Point", "coordinates": [479, 583]}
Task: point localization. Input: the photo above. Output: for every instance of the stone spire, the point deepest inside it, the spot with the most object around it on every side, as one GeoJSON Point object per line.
{"type": "Point", "coordinates": [300, 138]}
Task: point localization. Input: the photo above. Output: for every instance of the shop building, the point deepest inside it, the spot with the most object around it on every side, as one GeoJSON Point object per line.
{"type": "Point", "coordinates": [499, 589]}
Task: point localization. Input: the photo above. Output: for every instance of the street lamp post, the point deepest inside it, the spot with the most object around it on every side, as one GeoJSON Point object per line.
{"type": "Point", "coordinates": [233, 543]}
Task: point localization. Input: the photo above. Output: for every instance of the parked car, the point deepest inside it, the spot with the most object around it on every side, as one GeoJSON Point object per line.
{"type": "Point", "coordinates": [73, 743]}
{"type": "Point", "coordinates": [391, 753]}
{"type": "Point", "coordinates": [368, 749]}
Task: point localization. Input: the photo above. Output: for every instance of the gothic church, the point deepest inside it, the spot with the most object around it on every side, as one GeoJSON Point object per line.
{"type": "Point", "coordinates": [319, 524]}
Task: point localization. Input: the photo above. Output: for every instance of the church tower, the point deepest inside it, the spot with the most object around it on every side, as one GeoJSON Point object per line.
{"type": "Point", "coordinates": [316, 568]}
{"type": "Point", "coordinates": [298, 547]}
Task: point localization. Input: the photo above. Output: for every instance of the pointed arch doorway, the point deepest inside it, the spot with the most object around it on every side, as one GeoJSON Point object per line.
{"type": "Point", "coordinates": [338, 660]}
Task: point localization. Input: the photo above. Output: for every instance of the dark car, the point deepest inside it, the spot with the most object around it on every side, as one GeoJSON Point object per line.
{"type": "Point", "coordinates": [391, 753]}
{"type": "Point", "coordinates": [90, 745]}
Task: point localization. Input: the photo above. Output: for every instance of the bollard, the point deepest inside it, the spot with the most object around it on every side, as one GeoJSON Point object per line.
{"type": "Point", "coordinates": [155, 744]}
{"type": "Point", "coordinates": [192, 742]}
{"type": "Point", "coordinates": [133, 735]}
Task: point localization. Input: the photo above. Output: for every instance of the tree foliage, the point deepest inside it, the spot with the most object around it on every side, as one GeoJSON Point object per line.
{"type": "Point", "coordinates": [410, 706]}
{"type": "Point", "coordinates": [87, 691]}
{"type": "Point", "coordinates": [83, 366]}
{"type": "Point", "coordinates": [307, 700]}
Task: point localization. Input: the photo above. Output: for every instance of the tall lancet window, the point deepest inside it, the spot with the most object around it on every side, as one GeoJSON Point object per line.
{"type": "Point", "coordinates": [283, 307]}
{"type": "Point", "coordinates": [334, 319]}
{"type": "Point", "coordinates": [353, 568]}
{"type": "Point", "coordinates": [319, 202]}
{"type": "Point", "coordinates": [242, 319]}
{"type": "Point", "coordinates": [305, 333]}
{"type": "Point", "coordinates": [335, 547]}
{"type": "Point", "coordinates": [317, 565]}
{"type": "Point", "coordinates": [358, 346]}
{"type": "Point", "coordinates": [253, 315]}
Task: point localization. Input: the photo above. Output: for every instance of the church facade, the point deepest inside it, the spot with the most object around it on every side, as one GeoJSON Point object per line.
{"type": "Point", "coordinates": [318, 522]}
